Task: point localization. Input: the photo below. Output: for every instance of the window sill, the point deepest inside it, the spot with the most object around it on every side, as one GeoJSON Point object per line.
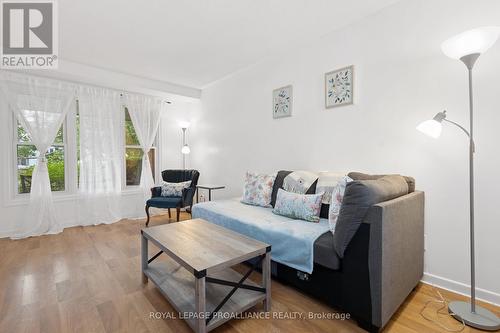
{"type": "Point", "coordinates": [24, 199]}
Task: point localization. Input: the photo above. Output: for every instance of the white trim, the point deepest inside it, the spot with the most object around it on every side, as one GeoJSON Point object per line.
{"type": "Point", "coordinates": [461, 288]}
{"type": "Point", "coordinates": [24, 199]}
{"type": "Point", "coordinates": [92, 75]}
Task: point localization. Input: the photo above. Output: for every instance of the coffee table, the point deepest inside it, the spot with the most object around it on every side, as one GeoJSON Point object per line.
{"type": "Point", "coordinates": [196, 277]}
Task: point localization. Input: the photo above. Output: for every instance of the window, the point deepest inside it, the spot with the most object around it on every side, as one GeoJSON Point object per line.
{"type": "Point", "coordinates": [27, 155]}
{"type": "Point", "coordinates": [133, 154]}
{"type": "Point", "coordinates": [63, 156]}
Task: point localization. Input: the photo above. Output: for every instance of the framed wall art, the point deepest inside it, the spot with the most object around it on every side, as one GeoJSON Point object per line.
{"type": "Point", "coordinates": [339, 87]}
{"type": "Point", "coordinates": [282, 102]}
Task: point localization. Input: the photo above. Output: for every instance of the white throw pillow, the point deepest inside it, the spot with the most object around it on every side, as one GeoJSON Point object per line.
{"type": "Point", "coordinates": [336, 202]}
{"type": "Point", "coordinates": [299, 181]}
{"type": "Point", "coordinates": [258, 189]}
{"type": "Point", "coordinates": [173, 189]}
{"type": "Point", "coordinates": [327, 182]}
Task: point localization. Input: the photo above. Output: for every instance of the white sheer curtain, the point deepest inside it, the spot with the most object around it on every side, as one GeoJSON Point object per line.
{"type": "Point", "coordinates": [145, 114]}
{"type": "Point", "coordinates": [101, 148]}
{"type": "Point", "coordinates": [40, 105]}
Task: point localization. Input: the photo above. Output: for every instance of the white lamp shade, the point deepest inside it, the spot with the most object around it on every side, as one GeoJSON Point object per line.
{"type": "Point", "coordinates": [469, 42]}
{"type": "Point", "coordinates": [431, 128]}
{"type": "Point", "coordinates": [184, 124]}
{"type": "Point", "coordinates": [185, 150]}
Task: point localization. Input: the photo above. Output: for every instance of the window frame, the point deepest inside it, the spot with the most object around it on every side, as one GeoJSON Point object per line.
{"type": "Point", "coordinates": [17, 143]}
{"type": "Point", "coordinates": [124, 158]}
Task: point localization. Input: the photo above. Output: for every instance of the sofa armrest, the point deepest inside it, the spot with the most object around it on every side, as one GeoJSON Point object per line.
{"type": "Point", "coordinates": [155, 191]}
{"type": "Point", "coordinates": [396, 252]}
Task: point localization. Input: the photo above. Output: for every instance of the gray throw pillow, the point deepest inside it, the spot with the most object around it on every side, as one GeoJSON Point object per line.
{"type": "Point", "coordinates": [359, 196]}
{"type": "Point", "coordinates": [365, 176]}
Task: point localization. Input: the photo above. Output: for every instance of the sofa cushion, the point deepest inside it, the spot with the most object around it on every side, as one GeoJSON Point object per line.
{"type": "Point", "coordinates": [164, 202]}
{"type": "Point", "coordinates": [324, 252]}
{"type": "Point", "coordinates": [278, 183]}
{"type": "Point", "coordinates": [292, 240]}
{"type": "Point", "coordinates": [365, 176]}
{"type": "Point", "coordinates": [359, 196]}
{"type": "Point", "coordinates": [298, 206]}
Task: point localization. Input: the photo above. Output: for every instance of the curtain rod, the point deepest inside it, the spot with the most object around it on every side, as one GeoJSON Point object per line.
{"type": "Point", "coordinates": [122, 92]}
{"type": "Point", "coordinates": [121, 95]}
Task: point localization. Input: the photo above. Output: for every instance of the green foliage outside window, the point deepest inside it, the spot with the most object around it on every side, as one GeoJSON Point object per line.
{"type": "Point", "coordinates": [133, 153]}
{"type": "Point", "coordinates": [27, 155]}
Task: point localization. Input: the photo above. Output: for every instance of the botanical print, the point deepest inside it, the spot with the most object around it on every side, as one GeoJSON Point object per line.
{"type": "Point", "coordinates": [298, 206]}
{"type": "Point", "coordinates": [258, 189]}
{"type": "Point", "coordinates": [339, 87]}
{"type": "Point", "coordinates": [282, 102]}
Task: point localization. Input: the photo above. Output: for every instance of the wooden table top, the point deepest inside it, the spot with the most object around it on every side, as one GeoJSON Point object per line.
{"type": "Point", "coordinates": [199, 245]}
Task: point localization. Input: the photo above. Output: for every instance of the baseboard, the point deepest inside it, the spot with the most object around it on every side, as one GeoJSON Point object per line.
{"type": "Point", "coordinates": [461, 288]}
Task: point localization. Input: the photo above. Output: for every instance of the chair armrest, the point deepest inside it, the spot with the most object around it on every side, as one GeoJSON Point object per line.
{"type": "Point", "coordinates": [156, 191]}
{"type": "Point", "coordinates": [187, 196]}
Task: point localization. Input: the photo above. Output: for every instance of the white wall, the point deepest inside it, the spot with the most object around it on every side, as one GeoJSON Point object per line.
{"type": "Point", "coordinates": [401, 78]}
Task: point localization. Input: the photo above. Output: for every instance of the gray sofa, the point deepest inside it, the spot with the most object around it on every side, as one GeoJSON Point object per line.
{"type": "Point", "coordinates": [380, 265]}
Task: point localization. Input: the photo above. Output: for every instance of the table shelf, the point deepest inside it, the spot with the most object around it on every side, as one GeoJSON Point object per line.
{"type": "Point", "coordinates": [178, 287]}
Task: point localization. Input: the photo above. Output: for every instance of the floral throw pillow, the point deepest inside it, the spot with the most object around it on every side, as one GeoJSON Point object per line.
{"type": "Point", "coordinates": [258, 189]}
{"type": "Point", "coordinates": [173, 189]}
{"type": "Point", "coordinates": [298, 206]}
{"type": "Point", "coordinates": [336, 203]}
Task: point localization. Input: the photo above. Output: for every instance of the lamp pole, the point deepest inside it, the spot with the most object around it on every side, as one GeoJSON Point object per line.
{"type": "Point", "coordinates": [470, 314]}
{"type": "Point", "coordinates": [469, 61]}
{"type": "Point", "coordinates": [183, 144]}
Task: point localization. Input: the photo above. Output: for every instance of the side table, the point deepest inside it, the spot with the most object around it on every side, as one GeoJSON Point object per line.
{"type": "Point", "coordinates": [210, 188]}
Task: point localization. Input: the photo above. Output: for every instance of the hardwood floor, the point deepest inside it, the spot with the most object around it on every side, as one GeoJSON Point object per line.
{"type": "Point", "coordinates": [87, 279]}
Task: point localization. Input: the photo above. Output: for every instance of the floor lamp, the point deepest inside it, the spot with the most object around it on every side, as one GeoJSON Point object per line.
{"type": "Point", "coordinates": [185, 150]}
{"type": "Point", "coordinates": [467, 47]}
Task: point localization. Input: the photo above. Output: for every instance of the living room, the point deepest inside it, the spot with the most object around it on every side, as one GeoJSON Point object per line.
{"type": "Point", "coordinates": [258, 106]}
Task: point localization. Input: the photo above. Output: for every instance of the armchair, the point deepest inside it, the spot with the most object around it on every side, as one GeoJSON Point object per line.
{"type": "Point", "coordinates": [186, 200]}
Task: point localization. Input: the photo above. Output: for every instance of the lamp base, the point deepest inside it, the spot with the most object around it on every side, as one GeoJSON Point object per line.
{"type": "Point", "coordinates": [482, 318]}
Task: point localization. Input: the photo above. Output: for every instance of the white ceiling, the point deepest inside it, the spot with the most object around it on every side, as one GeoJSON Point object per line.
{"type": "Point", "coordinates": [195, 42]}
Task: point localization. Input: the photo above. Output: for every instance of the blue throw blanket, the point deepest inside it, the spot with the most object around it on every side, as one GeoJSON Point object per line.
{"type": "Point", "coordinates": [292, 241]}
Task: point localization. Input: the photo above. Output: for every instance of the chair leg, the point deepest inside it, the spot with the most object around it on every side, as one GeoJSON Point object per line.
{"type": "Point", "coordinates": [169, 215]}
{"type": "Point", "coordinates": [147, 214]}
{"type": "Point", "coordinates": [178, 213]}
